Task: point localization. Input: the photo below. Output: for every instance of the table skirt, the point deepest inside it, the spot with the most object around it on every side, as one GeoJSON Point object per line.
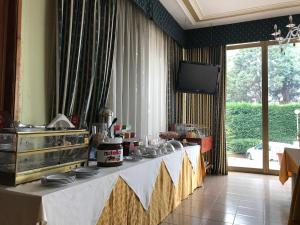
{"type": "Point", "coordinates": [123, 206]}
{"type": "Point", "coordinates": [294, 218]}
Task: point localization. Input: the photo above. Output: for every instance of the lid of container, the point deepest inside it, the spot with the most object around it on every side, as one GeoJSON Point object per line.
{"type": "Point", "coordinates": [111, 141]}
{"type": "Point", "coordinates": [106, 112]}
{"type": "Point", "coordinates": [131, 140]}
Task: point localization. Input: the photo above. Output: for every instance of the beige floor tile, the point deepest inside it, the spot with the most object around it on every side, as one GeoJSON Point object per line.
{"type": "Point", "coordinates": [178, 219]}
{"type": "Point", "coordinates": [250, 212]}
{"type": "Point", "coordinates": [248, 220]}
{"type": "Point", "coordinates": [213, 222]}
{"type": "Point", "coordinates": [239, 199]}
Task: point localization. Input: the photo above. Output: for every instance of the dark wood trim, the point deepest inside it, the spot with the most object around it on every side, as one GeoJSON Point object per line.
{"type": "Point", "coordinates": [9, 26]}
{"type": "Point", "coordinates": [18, 64]}
{"type": "Point", "coordinates": [3, 38]}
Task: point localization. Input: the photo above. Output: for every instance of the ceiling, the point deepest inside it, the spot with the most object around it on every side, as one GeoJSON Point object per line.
{"type": "Point", "coordinates": [192, 14]}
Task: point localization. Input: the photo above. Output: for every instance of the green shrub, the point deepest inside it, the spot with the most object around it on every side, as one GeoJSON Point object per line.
{"type": "Point", "coordinates": [241, 146]}
{"type": "Point", "coordinates": [244, 124]}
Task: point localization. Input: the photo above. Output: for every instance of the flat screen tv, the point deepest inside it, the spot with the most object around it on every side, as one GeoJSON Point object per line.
{"type": "Point", "coordinates": [197, 78]}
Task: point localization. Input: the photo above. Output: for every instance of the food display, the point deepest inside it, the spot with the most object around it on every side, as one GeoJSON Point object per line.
{"type": "Point", "coordinates": [28, 154]}
{"type": "Point", "coordinates": [126, 145]}
{"type": "Point", "coordinates": [110, 153]}
{"type": "Point", "coordinates": [169, 135]}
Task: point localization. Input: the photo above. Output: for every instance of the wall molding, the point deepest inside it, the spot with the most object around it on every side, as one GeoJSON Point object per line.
{"type": "Point", "coordinates": [250, 31]}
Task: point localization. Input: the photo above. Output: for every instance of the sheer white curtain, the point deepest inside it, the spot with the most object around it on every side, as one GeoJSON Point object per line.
{"type": "Point", "coordinates": [138, 88]}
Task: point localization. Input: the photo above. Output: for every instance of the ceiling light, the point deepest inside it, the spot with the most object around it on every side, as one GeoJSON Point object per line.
{"type": "Point", "coordinates": [293, 33]}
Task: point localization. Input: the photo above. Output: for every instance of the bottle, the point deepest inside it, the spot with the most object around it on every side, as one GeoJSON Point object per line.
{"type": "Point", "coordinates": [131, 148]}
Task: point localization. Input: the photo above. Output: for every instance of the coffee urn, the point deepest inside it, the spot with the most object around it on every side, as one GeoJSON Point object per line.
{"type": "Point", "coordinates": [106, 116]}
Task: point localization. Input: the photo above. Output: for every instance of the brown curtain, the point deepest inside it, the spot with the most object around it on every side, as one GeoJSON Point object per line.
{"type": "Point", "coordinates": [207, 111]}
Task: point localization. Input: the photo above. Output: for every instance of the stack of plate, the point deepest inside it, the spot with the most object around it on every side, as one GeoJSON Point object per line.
{"type": "Point", "coordinates": [85, 172]}
{"type": "Point", "coordinates": [58, 179]}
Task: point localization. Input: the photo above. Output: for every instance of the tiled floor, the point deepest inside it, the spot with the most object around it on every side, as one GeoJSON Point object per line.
{"type": "Point", "coordinates": [239, 198]}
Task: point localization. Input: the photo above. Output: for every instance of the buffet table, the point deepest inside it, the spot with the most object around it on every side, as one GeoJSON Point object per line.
{"type": "Point", "coordinates": [290, 166]}
{"type": "Point", "coordinates": [142, 192]}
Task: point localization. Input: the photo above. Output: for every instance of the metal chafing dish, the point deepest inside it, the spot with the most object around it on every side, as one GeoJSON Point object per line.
{"type": "Point", "coordinates": [26, 154]}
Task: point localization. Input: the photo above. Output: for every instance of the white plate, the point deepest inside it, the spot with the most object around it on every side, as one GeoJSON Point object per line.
{"type": "Point", "coordinates": [59, 176]}
{"type": "Point", "coordinates": [53, 184]}
{"type": "Point", "coordinates": [85, 172]}
{"type": "Point", "coordinates": [57, 179]}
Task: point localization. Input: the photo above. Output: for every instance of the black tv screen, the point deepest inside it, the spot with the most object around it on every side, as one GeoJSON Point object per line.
{"type": "Point", "coordinates": [197, 78]}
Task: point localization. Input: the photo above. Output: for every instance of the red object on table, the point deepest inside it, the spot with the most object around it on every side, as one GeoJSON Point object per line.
{"type": "Point", "coordinates": [75, 120]}
{"type": "Point", "coordinates": [206, 143]}
{"type": "Point", "coordinates": [118, 127]}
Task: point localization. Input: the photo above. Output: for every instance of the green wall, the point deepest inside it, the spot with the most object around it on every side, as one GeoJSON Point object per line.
{"type": "Point", "coordinates": [37, 60]}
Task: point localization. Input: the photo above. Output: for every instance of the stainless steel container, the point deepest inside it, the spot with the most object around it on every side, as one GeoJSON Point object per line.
{"type": "Point", "coordinates": [28, 154]}
{"type": "Point", "coordinates": [106, 116]}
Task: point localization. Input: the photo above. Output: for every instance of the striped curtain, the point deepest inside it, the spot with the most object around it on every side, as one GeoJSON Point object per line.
{"type": "Point", "coordinates": [207, 111]}
{"type": "Point", "coordinates": [175, 54]}
{"type": "Point", "coordinates": [85, 45]}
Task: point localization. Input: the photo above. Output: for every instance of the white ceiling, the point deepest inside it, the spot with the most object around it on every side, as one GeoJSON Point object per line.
{"type": "Point", "coordinates": [192, 14]}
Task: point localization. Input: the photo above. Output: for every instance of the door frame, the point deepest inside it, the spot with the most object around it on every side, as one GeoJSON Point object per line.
{"type": "Point", "coordinates": [10, 55]}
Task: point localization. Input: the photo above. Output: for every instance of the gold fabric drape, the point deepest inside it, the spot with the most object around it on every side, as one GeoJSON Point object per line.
{"type": "Point", "coordinates": [290, 164]}
{"type": "Point", "coordinates": [207, 111]}
{"type": "Point", "coordinates": [124, 207]}
{"type": "Point", "coordinates": [294, 218]}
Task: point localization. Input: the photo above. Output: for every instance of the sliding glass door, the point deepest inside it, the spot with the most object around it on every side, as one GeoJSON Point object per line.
{"type": "Point", "coordinates": [244, 108]}
{"type": "Point", "coordinates": [262, 104]}
{"type": "Point", "coordinates": [284, 99]}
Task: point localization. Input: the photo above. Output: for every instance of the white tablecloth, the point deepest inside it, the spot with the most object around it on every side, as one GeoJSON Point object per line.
{"type": "Point", "coordinates": [82, 203]}
{"type": "Point", "coordinates": [141, 179]}
{"type": "Point", "coordinates": [173, 164]}
{"type": "Point", "coordinates": [193, 155]}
